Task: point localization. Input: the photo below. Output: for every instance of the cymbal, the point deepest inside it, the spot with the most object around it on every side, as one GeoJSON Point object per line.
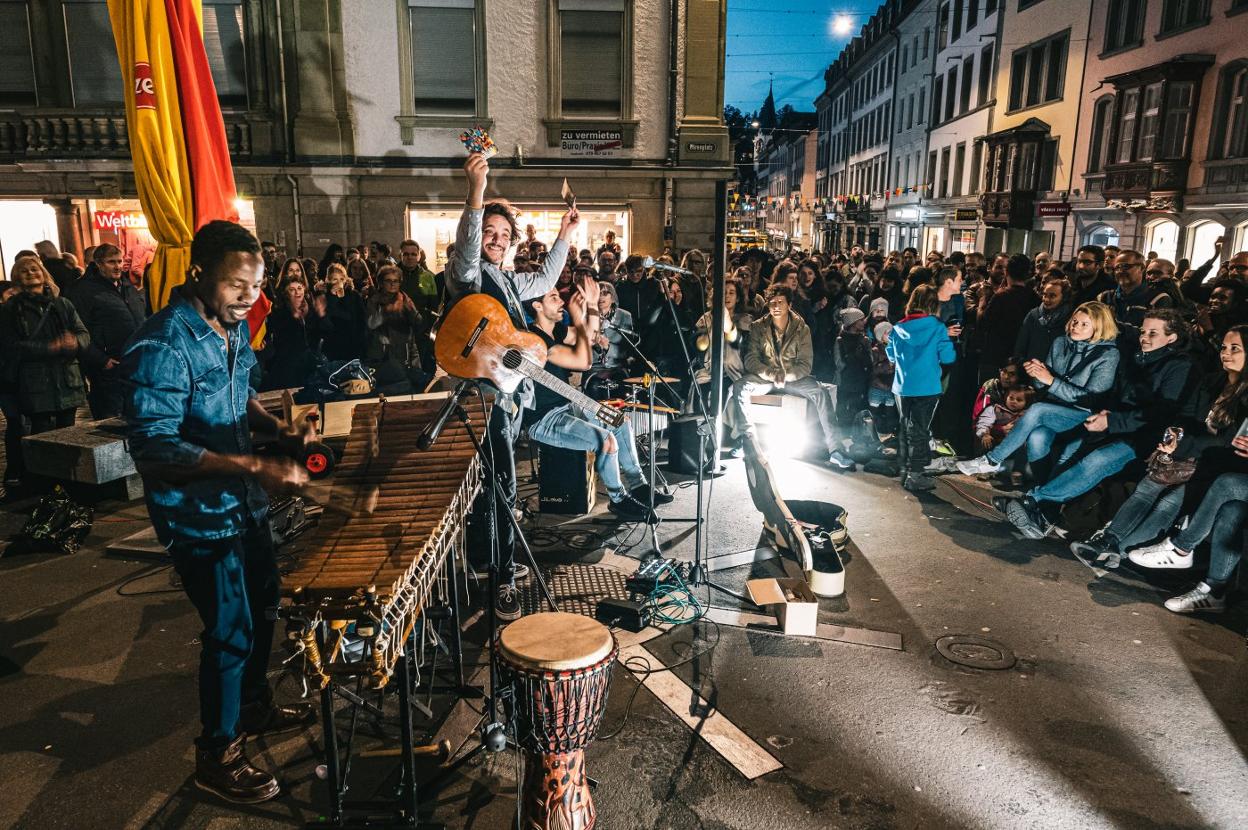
{"type": "Point", "coordinates": [659, 378]}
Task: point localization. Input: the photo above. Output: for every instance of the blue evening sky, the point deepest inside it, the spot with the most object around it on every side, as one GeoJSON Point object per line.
{"type": "Point", "coordinates": [793, 39]}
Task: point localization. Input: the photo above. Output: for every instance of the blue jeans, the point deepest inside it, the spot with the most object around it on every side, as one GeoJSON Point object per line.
{"type": "Point", "coordinates": [231, 582]}
{"type": "Point", "coordinates": [1220, 518]}
{"type": "Point", "coordinates": [1038, 428]}
{"type": "Point", "coordinates": [1089, 471]}
{"type": "Point", "coordinates": [567, 428]}
{"type": "Point", "coordinates": [1147, 514]}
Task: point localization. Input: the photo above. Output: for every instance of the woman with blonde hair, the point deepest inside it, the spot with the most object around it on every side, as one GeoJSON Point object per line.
{"type": "Point", "coordinates": [1076, 379]}
{"type": "Point", "coordinates": [344, 334]}
{"type": "Point", "coordinates": [41, 337]}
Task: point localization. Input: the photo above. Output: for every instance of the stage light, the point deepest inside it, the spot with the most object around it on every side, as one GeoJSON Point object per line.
{"type": "Point", "coordinates": [842, 25]}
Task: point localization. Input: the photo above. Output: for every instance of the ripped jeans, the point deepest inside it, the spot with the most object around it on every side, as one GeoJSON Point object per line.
{"type": "Point", "coordinates": [568, 428]}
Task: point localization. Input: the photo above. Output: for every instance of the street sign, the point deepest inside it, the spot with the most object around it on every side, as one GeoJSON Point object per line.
{"type": "Point", "coordinates": [1060, 209]}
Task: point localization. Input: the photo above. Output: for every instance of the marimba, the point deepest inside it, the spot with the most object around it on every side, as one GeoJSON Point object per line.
{"type": "Point", "coordinates": [382, 551]}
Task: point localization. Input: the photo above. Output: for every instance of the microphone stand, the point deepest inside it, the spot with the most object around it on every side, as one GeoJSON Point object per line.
{"type": "Point", "coordinates": [698, 575]}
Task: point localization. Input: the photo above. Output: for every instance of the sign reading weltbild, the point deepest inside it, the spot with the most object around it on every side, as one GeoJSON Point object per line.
{"type": "Point", "coordinates": [965, 214]}
{"type": "Point", "coordinates": [591, 143]}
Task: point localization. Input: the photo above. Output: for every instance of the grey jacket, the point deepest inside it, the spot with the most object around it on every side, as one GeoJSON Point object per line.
{"type": "Point", "coordinates": [1083, 371]}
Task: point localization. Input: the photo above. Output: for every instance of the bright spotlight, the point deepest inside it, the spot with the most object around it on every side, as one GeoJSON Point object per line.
{"type": "Point", "coordinates": [842, 25]}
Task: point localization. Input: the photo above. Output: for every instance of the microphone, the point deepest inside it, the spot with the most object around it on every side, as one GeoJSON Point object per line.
{"type": "Point", "coordinates": [430, 436]}
{"type": "Point", "coordinates": [649, 262]}
{"type": "Point", "coordinates": [628, 333]}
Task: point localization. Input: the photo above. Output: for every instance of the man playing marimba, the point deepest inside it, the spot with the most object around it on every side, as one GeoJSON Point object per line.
{"type": "Point", "coordinates": [190, 411]}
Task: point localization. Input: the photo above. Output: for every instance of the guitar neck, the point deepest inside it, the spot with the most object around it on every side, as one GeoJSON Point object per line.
{"type": "Point", "coordinates": [561, 388]}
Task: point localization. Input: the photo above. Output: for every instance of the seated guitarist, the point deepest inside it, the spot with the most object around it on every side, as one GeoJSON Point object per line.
{"type": "Point", "coordinates": [560, 424]}
{"type": "Point", "coordinates": [486, 232]}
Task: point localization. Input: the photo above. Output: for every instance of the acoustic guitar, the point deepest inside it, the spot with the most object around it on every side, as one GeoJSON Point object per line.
{"type": "Point", "coordinates": [477, 340]}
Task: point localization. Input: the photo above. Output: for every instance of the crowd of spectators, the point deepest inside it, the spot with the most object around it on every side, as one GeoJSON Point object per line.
{"type": "Point", "coordinates": [1108, 386]}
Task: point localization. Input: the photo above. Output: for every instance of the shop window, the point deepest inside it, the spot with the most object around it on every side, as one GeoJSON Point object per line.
{"type": "Point", "coordinates": [1098, 150]}
{"type": "Point", "coordinates": [1177, 15]}
{"type": "Point", "coordinates": [17, 67]}
{"type": "Point", "coordinates": [1037, 72]}
{"type": "Point", "coordinates": [1124, 24]}
{"type": "Point", "coordinates": [95, 74]}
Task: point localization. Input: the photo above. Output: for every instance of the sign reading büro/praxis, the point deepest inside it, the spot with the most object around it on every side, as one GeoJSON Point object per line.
{"type": "Point", "coordinates": [591, 143]}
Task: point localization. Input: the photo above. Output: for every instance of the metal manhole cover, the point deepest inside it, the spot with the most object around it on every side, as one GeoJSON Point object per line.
{"type": "Point", "coordinates": [975, 652]}
{"type": "Point", "coordinates": [576, 588]}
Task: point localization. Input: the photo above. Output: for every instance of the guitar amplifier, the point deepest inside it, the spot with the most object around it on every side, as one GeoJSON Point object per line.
{"type": "Point", "coordinates": [567, 481]}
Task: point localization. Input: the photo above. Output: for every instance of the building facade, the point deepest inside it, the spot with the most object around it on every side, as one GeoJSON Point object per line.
{"type": "Point", "coordinates": [1162, 164]}
{"type": "Point", "coordinates": [343, 118]}
{"type": "Point", "coordinates": [960, 102]}
{"type": "Point", "coordinates": [904, 215]}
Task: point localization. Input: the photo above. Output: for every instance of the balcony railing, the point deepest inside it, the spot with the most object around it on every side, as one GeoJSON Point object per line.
{"type": "Point", "coordinates": [81, 134]}
{"type": "Point", "coordinates": [1008, 208]}
{"type": "Point", "coordinates": [1143, 179]}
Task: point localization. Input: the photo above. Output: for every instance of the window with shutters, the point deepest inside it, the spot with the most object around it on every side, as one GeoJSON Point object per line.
{"type": "Point", "coordinates": [590, 64]}
{"type": "Point", "coordinates": [442, 65]}
{"type": "Point", "coordinates": [17, 65]}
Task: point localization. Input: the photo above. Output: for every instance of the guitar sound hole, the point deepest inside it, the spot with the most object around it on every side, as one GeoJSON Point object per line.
{"type": "Point", "coordinates": [511, 359]}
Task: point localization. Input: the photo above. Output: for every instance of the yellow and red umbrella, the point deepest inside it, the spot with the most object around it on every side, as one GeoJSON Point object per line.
{"type": "Point", "coordinates": [177, 136]}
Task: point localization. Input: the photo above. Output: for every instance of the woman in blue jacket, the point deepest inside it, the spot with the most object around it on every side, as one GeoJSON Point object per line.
{"type": "Point", "coordinates": [918, 347]}
{"type": "Point", "coordinates": [1075, 380]}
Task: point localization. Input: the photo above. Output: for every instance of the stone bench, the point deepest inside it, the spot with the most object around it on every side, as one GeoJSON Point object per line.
{"type": "Point", "coordinates": [90, 452]}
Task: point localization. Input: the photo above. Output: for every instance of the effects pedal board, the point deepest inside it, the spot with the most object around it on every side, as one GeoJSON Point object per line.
{"type": "Point", "coordinates": [651, 574]}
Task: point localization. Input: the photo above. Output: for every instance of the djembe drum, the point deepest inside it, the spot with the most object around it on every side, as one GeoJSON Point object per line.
{"type": "Point", "coordinates": [557, 667]}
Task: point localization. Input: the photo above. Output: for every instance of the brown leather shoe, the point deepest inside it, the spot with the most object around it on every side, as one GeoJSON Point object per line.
{"type": "Point", "coordinates": [228, 774]}
{"type": "Point", "coordinates": [268, 719]}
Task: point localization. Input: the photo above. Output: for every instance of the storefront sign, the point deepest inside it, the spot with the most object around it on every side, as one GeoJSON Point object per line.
{"type": "Point", "coordinates": [965, 214]}
{"type": "Point", "coordinates": [907, 215]}
{"type": "Point", "coordinates": [119, 220]}
{"type": "Point", "coordinates": [1061, 209]}
{"type": "Point", "coordinates": [591, 143]}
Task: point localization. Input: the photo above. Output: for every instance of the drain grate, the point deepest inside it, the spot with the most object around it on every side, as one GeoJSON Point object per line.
{"type": "Point", "coordinates": [975, 652]}
{"type": "Point", "coordinates": [576, 588]}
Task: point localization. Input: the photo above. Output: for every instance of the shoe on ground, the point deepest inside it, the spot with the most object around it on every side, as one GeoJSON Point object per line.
{"type": "Point", "coordinates": [978, 466]}
{"type": "Point", "coordinates": [737, 452]}
{"type": "Point", "coordinates": [228, 774]}
{"type": "Point", "coordinates": [916, 482]}
{"type": "Point", "coordinates": [940, 447]}
{"type": "Point", "coordinates": [642, 495]}
{"type": "Point", "coordinates": [507, 603]}
{"type": "Point", "coordinates": [1100, 550]}
{"type": "Point", "coordinates": [841, 461]}
{"type": "Point", "coordinates": [1199, 600]}
{"type": "Point", "coordinates": [257, 719]}
{"type": "Point", "coordinates": [1026, 515]}
{"type": "Point", "coordinates": [520, 571]}
{"type": "Point", "coordinates": [1161, 556]}
{"type": "Point", "coordinates": [943, 464]}
{"type": "Point", "coordinates": [630, 510]}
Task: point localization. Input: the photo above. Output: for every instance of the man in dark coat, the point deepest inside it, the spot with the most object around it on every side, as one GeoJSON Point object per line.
{"type": "Point", "coordinates": [1001, 319]}
{"type": "Point", "coordinates": [112, 309]}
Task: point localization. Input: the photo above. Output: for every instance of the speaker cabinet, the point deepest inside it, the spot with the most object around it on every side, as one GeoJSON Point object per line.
{"type": "Point", "coordinates": [567, 481]}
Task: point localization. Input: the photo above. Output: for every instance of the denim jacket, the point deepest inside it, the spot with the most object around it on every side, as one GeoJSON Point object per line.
{"type": "Point", "coordinates": [182, 398]}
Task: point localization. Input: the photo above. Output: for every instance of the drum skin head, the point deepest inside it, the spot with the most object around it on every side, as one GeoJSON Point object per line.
{"type": "Point", "coordinates": [555, 640]}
